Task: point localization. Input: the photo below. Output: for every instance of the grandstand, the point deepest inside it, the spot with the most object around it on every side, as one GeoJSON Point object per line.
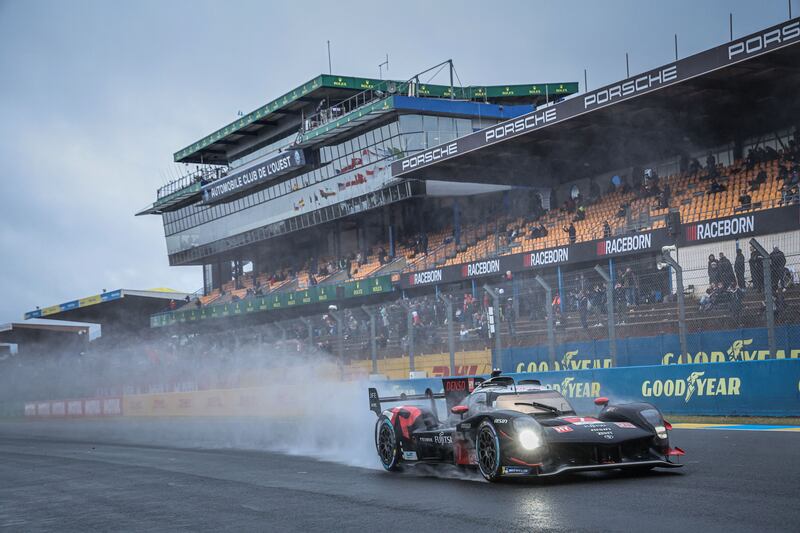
{"type": "Point", "coordinates": [347, 183]}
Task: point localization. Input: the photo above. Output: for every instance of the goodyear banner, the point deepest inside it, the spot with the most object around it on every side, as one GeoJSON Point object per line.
{"type": "Point", "coordinates": [748, 344]}
{"type": "Point", "coordinates": [758, 388]}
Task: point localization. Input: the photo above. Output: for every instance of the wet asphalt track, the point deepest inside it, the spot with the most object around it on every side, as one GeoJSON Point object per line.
{"type": "Point", "coordinates": [733, 481]}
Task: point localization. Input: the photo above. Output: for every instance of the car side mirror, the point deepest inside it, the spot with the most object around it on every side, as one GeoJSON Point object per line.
{"type": "Point", "coordinates": [602, 400]}
{"type": "Point", "coordinates": [459, 409]}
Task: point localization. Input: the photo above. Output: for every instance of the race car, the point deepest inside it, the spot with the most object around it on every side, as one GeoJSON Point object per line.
{"type": "Point", "coordinates": [508, 428]}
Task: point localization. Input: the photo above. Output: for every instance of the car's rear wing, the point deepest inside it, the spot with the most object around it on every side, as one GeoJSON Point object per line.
{"type": "Point", "coordinates": [455, 390]}
{"type": "Point", "coordinates": [375, 400]}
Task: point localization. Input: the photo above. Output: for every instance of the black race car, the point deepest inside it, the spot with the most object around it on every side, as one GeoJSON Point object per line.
{"type": "Point", "coordinates": [509, 428]}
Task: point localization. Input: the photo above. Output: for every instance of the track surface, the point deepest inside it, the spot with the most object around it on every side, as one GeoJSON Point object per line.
{"type": "Point", "coordinates": [733, 481]}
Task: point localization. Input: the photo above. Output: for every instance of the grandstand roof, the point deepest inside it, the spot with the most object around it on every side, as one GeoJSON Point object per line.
{"type": "Point", "coordinates": [214, 147]}
{"type": "Point", "coordinates": [705, 99]}
{"type": "Point", "coordinates": [119, 311]}
{"type": "Point", "coordinates": [26, 333]}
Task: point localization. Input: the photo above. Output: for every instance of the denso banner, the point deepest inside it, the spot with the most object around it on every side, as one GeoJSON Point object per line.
{"type": "Point", "coordinates": [742, 225]}
{"type": "Point", "coordinates": [758, 388]}
{"type": "Point", "coordinates": [253, 176]}
{"type": "Point", "coordinates": [740, 345]}
{"type": "Point", "coordinates": [650, 241]}
{"type": "Point", "coordinates": [778, 36]}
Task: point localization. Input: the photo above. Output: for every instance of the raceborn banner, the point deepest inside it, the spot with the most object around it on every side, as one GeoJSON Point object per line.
{"type": "Point", "coordinates": [650, 241]}
{"type": "Point", "coordinates": [745, 224]}
{"type": "Point", "coordinates": [778, 36]}
{"type": "Point", "coordinates": [728, 228]}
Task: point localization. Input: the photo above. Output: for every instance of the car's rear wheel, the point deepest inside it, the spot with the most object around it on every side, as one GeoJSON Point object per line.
{"type": "Point", "coordinates": [487, 448]}
{"type": "Point", "coordinates": [387, 444]}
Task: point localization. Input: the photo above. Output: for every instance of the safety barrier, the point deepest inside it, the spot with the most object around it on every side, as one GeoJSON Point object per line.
{"type": "Point", "coordinates": [75, 408]}
{"type": "Point", "coordinates": [754, 388]}
{"type": "Point", "coordinates": [747, 344]}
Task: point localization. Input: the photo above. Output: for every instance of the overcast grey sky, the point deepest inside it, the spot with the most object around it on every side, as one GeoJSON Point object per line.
{"type": "Point", "coordinates": [95, 96]}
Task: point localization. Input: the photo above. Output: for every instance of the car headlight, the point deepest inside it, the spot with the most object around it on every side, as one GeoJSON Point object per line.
{"type": "Point", "coordinates": [529, 439]}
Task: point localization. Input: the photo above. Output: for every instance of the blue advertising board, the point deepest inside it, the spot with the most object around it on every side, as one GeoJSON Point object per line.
{"type": "Point", "coordinates": [742, 388]}
{"type": "Point", "coordinates": [747, 344]}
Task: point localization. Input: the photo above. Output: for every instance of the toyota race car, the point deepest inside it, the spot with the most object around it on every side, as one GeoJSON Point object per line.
{"type": "Point", "coordinates": [509, 428]}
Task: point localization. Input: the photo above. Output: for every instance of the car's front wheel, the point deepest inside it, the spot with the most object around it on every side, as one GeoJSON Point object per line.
{"type": "Point", "coordinates": [387, 444]}
{"type": "Point", "coordinates": [487, 448]}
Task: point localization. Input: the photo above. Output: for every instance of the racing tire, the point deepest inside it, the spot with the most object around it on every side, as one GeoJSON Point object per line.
{"type": "Point", "coordinates": [387, 444]}
{"type": "Point", "coordinates": [487, 450]}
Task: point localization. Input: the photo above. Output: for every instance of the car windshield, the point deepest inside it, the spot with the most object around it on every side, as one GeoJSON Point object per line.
{"type": "Point", "coordinates": [526, 402]}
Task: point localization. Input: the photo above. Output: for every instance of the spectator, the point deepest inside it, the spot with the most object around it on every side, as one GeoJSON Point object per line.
{"type": "Point", "coordinates": [580, 214]}
{"type": "Point", "coordinates": [777, 261]}
{"type": "Point", "coordinates": [172, 305]}
{"type": "Point", "coordinates": [716, 187]}
{"type": "Point", "coordinates": [745, 200]}
{"type": "Point", "coordinates": [510, 317]}
{"type": "Point", "coordinates": [711, 165]}
{"type": "Point", "coordinates": [572, 233]}
{"type": "Point", "coordinates": [623, 211]}
{"type": "Point", "coordinates": [713, 272]}
{"type": "Point", "coordinates": [761, 178]}
{"type": "Point", "coordinates": [556, 305]}
{"type": "Point", "coordinates": [664, 197]}
{"type": "Point", "coordinates": [606, 230]}
{"type": "Point", "coordinates": [583, 308]}
{"type": "Point", "coordinates": [726, 275]}
{"type": "Point", "coordinates": [630, 283]}
{"type": "Point", "coordinates": [789, 193]}
{"type": "Point", "coordinates": [738, 267]}
{"type": "Point", "coordinates": [756, 270]}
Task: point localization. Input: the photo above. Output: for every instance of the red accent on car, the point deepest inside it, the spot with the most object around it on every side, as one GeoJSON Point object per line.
{"type": "Point", "coordinates": [406, 421]}
{"type": "Point", "coordinates": [675, 451]}
{"type": "Point", "coordinates": [667, 425]}
{"type": "Point", "coordinates": [503, 433]}
{"type": "Point", "coordinates": [459, 409]}
{"type": "Point", "coordinates": [562, 429]}
{"type": "Point", "coordinates": [602, 400]}
{"type": "Point", "coordinates": [461, 453]}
